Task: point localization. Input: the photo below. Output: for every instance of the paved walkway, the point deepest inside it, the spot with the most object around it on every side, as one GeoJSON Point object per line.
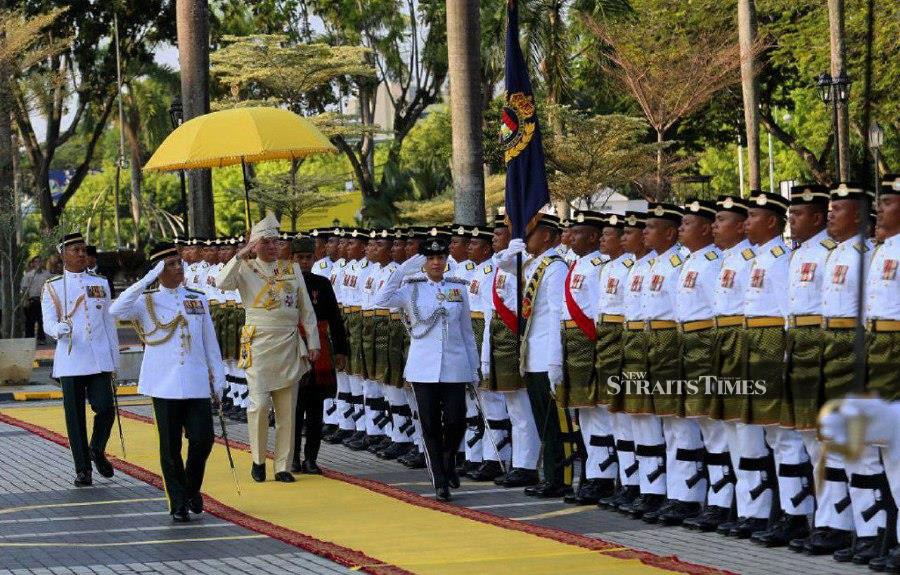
{"type": "Point", "coordinates": [120, 526]}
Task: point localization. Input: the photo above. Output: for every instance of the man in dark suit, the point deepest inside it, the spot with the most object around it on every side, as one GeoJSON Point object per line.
{"type": "Point", "coordinates": [320, 382]}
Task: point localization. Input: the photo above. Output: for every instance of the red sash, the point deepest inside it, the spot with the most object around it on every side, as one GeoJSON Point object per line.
{"type": "Point", "coordinates": [506, 314]}
{"type": "Point", "coordinates": [584, 323]}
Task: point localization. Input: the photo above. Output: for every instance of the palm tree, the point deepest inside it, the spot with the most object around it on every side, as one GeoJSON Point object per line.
{"type": "Point", "coordinates": [192, 22]}
{"type": "Point", "coordinates": [463, 23]}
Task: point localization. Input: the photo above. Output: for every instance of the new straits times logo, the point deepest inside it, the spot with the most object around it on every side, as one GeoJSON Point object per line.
{"type": "Point", "coordinates": [637, 383]}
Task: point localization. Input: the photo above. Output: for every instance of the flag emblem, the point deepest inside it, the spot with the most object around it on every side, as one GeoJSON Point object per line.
{"type": "Point", "coordinates": [517, 124]}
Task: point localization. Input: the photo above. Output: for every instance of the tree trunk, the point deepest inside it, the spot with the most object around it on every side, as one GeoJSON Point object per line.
{"type": "Point", "coordinates": [749, 87]}
{"type": "Point", "coordinates": [838, 68]}
{"type": "Point", "coordinates": [10, 269]}
{"type": "Point", "coordinates": [132, 132]}
{"type": "Point", "coordinates": [660, 192]}
{"type": "Point", "coordinates": [464, 24]}
{"type": "Point", "coordinates": [192, 21]}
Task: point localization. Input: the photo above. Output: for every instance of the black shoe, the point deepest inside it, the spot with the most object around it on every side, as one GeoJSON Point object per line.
{"type": "Point", "coordinates": [404, 459]}
{"type": "Point", "coordinates": [591, 491]}
{"type": "Point", "coordinates": [375, 443]}
{"type": "Point", "coordinates": [310, 468]}
{"type": "Point", "coordinates": [725, 527]}
{"type": "Point", "coordinates": [747, 527]}
{"type": "Point", "coordinates": [646, 503]}
{"type": "Point", "coordinates": [709, 519]}
{"type": "Point", "coordinates": [328, 429]}
{"type": "Point", "coordinates": [624, 494]}
{"type": "Point", "coordinates": [296, 466]}
{"type": "Point", "coordinates": [460, 462]}
{"type": "Point", "coordinates": [892, 563]}
{"type": "Point", "coordinates": [553, 491]}
{"type": "Point", "coordinates": [453, 478]}
{"type": "Point", "coordinates": [337, 436]}
{"type": "Point", "coordinates": [417, 461]}
{"type": "Point", "coordinates": [783, 531]}
{"type": "Point", "coordinates": [863, 550]}
{"type": "Point", "coordinates": [242, 415]}
{"type": "Point", "coordinates": [195, 504]}
{"type": "Point", "coordinates": [535, 489]}
{"type": "Point", "coordinates": [652, 516]}
{"type": "Point", "coordinates": [520, 477]}
{"type": "Point", "coordinates": [181, 515]}
{"type": "Point", "coordinates": [258, 472]}
{"type": "Point", "coordinates": [879, 564]}
{"type": "Point", "coordinates": [284, 477]}
{"type": "Point", "coordinates": [83, 479]}
{"type": "Point", "coordinates": [395, 450]}
{"type": "Point", "coordinates": [487, 471]}
{"type": "Point", "coordinates": [356, 445]}
{"type": "Point", "coordinates": [825, 541]}
{"type": "Point", "coordinates": [680, 512]}
{"type": "Point", "coordinates": [442, 493]}
{"type": "Point", "coordinates": [102, 464]}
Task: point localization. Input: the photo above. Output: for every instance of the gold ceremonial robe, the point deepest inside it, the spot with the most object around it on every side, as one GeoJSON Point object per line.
{"type": "Point", "coordinates": [276, 301]}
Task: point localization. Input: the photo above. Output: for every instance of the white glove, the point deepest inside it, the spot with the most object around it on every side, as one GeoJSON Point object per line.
{"type": "Point", "coordinates": [63, 328]}
{"type": "Point", "coordinates": [153, 273]}
{"type": "Point", "coordinates": [881, 418]}
{"type": "Point", "coordinates": [555, 373]}
{"type": "Point", "coordinates": [485, 369]}
{"type": "Point", "coordinates": [506, 260]}
{"type": "Point", "coordinates": [412, 266]}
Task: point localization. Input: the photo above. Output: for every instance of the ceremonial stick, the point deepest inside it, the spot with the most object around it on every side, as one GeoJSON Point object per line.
{"type": "Point", "coordinates": [473, 393]}
{"type": "Point", "coordinates": [115, 397]}
{"type": "Point", "coordinates": [214, 397]}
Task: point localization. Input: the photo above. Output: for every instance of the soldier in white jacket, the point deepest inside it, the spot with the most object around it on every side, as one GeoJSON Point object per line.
{"type": "Point", "coordinates": [181, 370]}
{"type": "Point", "coordinates": [75, 309]}
{"type": "Point", "coordinates": [443, 358]}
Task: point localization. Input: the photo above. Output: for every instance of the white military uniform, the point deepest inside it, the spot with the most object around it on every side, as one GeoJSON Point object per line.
{"type": "Point", "coordinates": [355, 276]}
{"type": "Point", "coordinates": [839, 300]}
{"type": "Point", "coordinates": [323, 267]}
{"type": "Point", "coordinates": [493, 403]}
{"type": "Point", "coordinates": [343, 415]}
{"type": "Point", "coordinates": [84, 302]}
{"type": "Point", "coordinates": [695, 301]}
{"type": "Point", "coordinates": [472, 443]}
{"type": "Point", "coordinates": [373, 389]}
{"type": "Point", "coordinates": [613, 284]}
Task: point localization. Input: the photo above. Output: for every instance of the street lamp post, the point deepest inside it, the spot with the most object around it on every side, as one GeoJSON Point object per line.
{"type": "Point", "coordinates": [176, 116]}
{"type": "Point", "coordinates": [876, 140]}
{"type": "Point", "coordinates": [835, 92]}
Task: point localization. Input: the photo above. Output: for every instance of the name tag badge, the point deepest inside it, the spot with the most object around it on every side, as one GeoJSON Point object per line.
{"type": "Point", "coordinates": [193, 307]}
{"type": "Point", "coordinates": [96, 291]}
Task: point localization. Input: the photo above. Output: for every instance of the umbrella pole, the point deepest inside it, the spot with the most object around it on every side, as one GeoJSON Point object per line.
{"type": "Point", "coordinates": [246, 194]}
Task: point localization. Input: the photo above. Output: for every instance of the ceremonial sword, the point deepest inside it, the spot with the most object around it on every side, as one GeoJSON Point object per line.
{"type": "Point", "coordinates": [424, 447]}
{"type": "Point", "coordinates": [212, 392]}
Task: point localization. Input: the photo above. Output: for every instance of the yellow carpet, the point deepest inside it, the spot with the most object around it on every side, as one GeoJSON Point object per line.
{"type": "Point", "coordinates": [414, 538]}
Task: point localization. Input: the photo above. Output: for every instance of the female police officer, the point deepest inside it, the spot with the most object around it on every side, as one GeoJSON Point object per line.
{"type": "Point", "coordinates": [442, 356]}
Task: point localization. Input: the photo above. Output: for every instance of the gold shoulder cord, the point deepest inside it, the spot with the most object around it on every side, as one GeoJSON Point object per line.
{"type": "Point", "coordinates": [169, 327]}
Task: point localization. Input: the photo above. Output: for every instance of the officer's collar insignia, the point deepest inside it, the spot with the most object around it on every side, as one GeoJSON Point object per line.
{"type": "Point", "coordinates": [861, 247]}
{"type": "Point", "coordinates": [323, 265]}
{"type": "Point", "coordinates": [778, 251]}
{"type": "Point", "coordinates": [488, 269]}
{"type": "Point", "coordinates": [597, 261]}
{"type": "Point", "coordinates": [470, 266]}
{"type": "Point", "coordinates": [628, 262]}
{"type": "Point", "coordinates": [675, 260]}
{"type": "Point", "coordinates": [748, 254]}
{"type": "Point", "coordinates": [828, 243]}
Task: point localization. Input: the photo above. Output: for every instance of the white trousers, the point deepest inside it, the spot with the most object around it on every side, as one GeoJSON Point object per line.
{"type": "Point", "coordinates": [832, 492]}
{"type": "Point", "coordinates": [526, 443]}
{"type": "Point", "coordinates": [597, 423]}
{"type": "Point", "coordinates": [359, 416]}
{"type": "Point", "coordinates": [892, 468]}
{"type": "Point", "coordinates": [748, 441]}
{"type": "Point", "coordinates": [683, 434]}
{"type": "Point", "coordinates": [715, 441]}
{"type": "Point", "coordinates": [372, 391]}
{"type": "Point", "coordinates": [622, 431]}
{"type": "Point", "coordinates": [494, 405]}
{"type": "Point", "coordinates": [473, 443]}
{"type": "Point", "coordinates": [417, 427]}
{"type": "Point", "coordinates": [788, 449]}
{"type": "Point", "coordinates": [863, 498]}
{"type": "Point", "coordinates": [344, 407]}
{"type": "Point", "coordinates": [401, 430]}
{"type": "Point", "coordinates": [648, 432]}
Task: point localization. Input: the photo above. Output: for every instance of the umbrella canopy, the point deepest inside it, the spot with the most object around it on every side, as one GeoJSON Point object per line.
{"type": "Point", "coordinates": [236, 136]}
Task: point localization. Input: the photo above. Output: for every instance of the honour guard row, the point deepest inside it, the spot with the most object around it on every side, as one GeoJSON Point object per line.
{"type": "Point", "coordinates": [681, 354]}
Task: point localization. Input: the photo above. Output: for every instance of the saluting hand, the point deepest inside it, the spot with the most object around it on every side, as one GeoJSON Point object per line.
{"type": "Point", "coordinates": [412, 265]}
{"type": "Point", "coordinates": [506, 260]}
{"type": "Point", "coordinates": [246, 252]}
{"type": "Point", "coordinates": [153, 274]}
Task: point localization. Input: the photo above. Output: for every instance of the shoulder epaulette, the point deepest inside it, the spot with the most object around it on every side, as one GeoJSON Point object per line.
{"type": "Point", "coordinates": [455, 280]}
{"type": "Point", "coordinates": [53, 279]}
{"type": "Point", "coordinates": [828, 243]}
{"type": "Point", "coordinates": [488, 269]}
{"type": "Point", "coordinates": [195, 291]}
{"type": "Point", "coordinates": [675, 260]}
{"type": "Point", "coordinates": [711, 255]}
{"type": "Point", "coordinates": [777, 251]}
{"type": "Point", "coordinates": [748, 254]}
{"type": "Point", "coordinates": [415, 280]}
{"type": "Point", "coordinates": [628, 262]}
{"type": "Point", "coordinates": [322, 265]}
{"type": "Point", "coordinates": [597, 261]}
{"type": "Point", "coordinates": [151, 290]}
{"type": "Point", "coordinates": [651, 261]}
{"type": "Point", "coordinates": [470, 266]}
{"type": "Point", "coordinates": [861, 247]}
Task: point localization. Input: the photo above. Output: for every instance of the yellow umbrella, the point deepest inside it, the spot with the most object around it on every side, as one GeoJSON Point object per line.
{"type": "Point", "coordinates": [239, 136]}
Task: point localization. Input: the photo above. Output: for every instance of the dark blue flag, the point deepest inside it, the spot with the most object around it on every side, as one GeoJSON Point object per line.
{"type": "Point", "coordinates": [520, 134]}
